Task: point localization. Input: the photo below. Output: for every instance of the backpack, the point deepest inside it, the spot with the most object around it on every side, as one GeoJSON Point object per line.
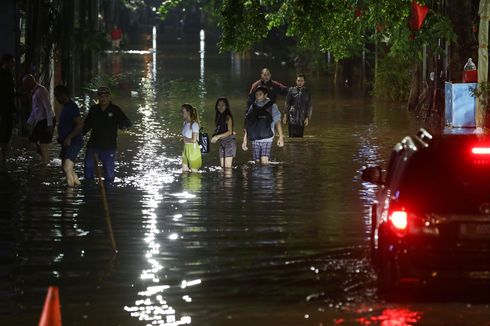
{"type": "Point", "coordinates": [258, 122]}
{"type": "Point", "coordinates": [204, 143]}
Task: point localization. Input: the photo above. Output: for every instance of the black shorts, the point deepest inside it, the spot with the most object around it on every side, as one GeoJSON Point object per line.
{"type": "Point", "coordinates": [41, 133]}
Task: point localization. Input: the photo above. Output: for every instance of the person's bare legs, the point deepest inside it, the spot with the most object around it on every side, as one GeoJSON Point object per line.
{"type": "Point", "coordinates": [71, 176]}
{"type": "Point", "coordinates": [185, 168]}
{"type": "Point", "coordinates": [76, 181]}
{"type": "Point", "coordinates": [42, 150]}
{"type": "Point", "coordinates": [228, 163]}
{"type": "Point", "coordinates": [264, 160]}
{"type": "Point", "coordinates": [44, 153]}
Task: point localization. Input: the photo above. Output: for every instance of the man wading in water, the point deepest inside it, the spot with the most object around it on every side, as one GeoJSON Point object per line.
{"type": "Point", "coordinates": [261, 119]}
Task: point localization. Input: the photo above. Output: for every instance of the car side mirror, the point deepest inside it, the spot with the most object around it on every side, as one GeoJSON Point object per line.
{"type": "Point", "coordinates": [373, 174]}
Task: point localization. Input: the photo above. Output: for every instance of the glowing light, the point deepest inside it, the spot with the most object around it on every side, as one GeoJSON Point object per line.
{"type": "Point", "coordinates": [185, 284]}
{"type": "Point", "coordinates": [481, 150]}
{"type": "Point", "coordinates": [173, 236]}
{"type": "Point", "coordinates": [151, 290]}
{"type": "Point", "coordinates": [399, 219]}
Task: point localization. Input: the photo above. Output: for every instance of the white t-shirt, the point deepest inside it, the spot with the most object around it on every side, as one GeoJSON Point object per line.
{"type": "Point", "coordinates": [188, 129]}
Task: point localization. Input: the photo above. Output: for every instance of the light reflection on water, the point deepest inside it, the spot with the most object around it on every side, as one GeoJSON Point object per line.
{"type": "Point", "coordinates": [151, 174]}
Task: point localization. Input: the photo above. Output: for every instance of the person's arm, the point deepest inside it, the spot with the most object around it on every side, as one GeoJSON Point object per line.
{"type": "Point", "coordinates": [287, 106]}
{"type": "Point", "coordinates": [46, 104]}
{"type": "Point", "coordinates": [123, 121]}
{"type": "Point", "coordinates": [276, 116]}
{"type": "Point", "coordinates": [280, 141]}
{"type": "Point", "coordinates": [195, 132]}
{"type": "Point", "coordinates": [309, 109]}
{"type": "Point", "coordinates": [244, 143]}
{"type": "Point", "coordinates": [88, 122]}
{"type": "Point", "coordinates": [78, 127]}
{"type": "Point", "coordinates": [283, 89]}
{"type": "Point", "coordinates": [229, 125]}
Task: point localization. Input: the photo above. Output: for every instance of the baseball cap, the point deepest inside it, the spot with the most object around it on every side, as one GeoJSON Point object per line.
{"type": "Point", "coordinates": [103, 90]}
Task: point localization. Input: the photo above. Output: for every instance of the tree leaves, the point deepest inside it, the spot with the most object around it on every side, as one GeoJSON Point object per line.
{"type": "Point", "coordinates": [341, 27]}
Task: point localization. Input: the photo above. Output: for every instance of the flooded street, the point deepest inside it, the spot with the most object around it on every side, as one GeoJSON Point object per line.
{"type": "Point", "coordinates": [285, 244]}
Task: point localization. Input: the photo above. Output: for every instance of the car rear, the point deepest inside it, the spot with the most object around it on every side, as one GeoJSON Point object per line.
{"type": "Point", "coordinates": [439, 219]}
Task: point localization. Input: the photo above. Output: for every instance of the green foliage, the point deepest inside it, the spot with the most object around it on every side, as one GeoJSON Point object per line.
{"type": "Point", "coordinates": [392, 80]}
{"type": "Point", "coordinates": [342, 28]}
{"type": "Point", "coordinates": [482, 93]}
{"type": "Point", "coordinates": [111, 81]}
{"type": "Point", "coordinates": [134, 4]}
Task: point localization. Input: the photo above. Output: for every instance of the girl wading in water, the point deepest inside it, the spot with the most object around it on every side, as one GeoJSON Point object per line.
{"type": "Point", "coordinates": [191, 156]}
{"type": "Point", "coordinates": [224, 133]}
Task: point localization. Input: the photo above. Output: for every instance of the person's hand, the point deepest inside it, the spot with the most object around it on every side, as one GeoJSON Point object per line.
{"type": "Point", "coordinates": [244, 145]}
{"type": "Point", "coordinates": [280, 142]}
{"type": "Point", "coordinates": [284, 118]}
{"type": "Point", "coordinates": [67, 141]}
{"type": "Point", "coordinates": [306, 122]}
{"type": "Point", "coordinates": [214, 139]}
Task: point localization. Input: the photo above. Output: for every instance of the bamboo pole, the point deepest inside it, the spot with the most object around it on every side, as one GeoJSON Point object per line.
{"type": "Point", "coordinates": [105, 204]}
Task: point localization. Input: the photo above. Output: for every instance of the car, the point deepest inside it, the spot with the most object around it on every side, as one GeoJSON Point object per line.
{"type": "Point", "coordinates": [431, 216]}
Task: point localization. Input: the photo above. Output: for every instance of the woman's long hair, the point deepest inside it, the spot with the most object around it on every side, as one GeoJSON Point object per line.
{"type": "Point", "coordinates": [226, 112]}
{"type": "Point", "coordinates": [193, 111]}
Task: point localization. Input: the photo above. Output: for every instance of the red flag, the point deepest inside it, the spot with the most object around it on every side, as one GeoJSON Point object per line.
{"type": "Point", "coordinates": [417, 15]}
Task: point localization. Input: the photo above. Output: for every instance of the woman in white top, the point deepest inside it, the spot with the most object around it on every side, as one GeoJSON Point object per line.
{"type": "Point", "coordinates": [191, 156]}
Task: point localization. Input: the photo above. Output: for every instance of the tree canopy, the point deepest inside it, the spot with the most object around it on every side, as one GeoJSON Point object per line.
{"type": "Point", "coordinates": [341, 27]}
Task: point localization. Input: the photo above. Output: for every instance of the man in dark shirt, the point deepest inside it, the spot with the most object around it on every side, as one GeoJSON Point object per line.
{"type": "Point", "coordinates": [297, 113]}
{"type": "Point", "coordinates": [103, 120]}
{"type": "Point", "coordinates": [273, 86]}
{"type": "Point", "coordinates": [7, 109]}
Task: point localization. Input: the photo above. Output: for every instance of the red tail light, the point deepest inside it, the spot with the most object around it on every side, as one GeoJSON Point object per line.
{"type": "Point", "coordinates": [481, 150]}
{"type": "Point", "coordinates": [399, 219]}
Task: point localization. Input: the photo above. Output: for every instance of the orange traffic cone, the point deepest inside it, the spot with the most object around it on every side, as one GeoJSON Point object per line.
{"type": "Point", "coordinates": [51, 315]}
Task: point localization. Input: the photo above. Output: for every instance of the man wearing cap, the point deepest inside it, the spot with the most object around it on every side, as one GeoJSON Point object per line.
{"type": "Point", "coordinates": [41, 118]}
{"type": "Point", "coordinates": [103, 120]}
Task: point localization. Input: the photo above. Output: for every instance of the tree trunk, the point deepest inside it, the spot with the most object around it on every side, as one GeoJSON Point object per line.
{"type": "Point", "coordinates": [415, 87]}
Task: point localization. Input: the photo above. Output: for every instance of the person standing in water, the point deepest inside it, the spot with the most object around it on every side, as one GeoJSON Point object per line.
{"type": "Point", "coordinates": [69, 133]}
{"type": "Point", "coordinates": [103, 121]}
{"type": "Point", "coordinates": [191, 155]}
{"type": "Point", "coordinates": [42, 117]}
{"type": "Point", "coordinates": [297, 113]}
{"type": "Point", "coordinates": [224, 133]}
{"type": "Point", "coordinates": [262, 118]}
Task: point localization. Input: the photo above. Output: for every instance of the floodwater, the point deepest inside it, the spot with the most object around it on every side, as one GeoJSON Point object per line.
{"type": "Point", "coordinates": [285, 244]}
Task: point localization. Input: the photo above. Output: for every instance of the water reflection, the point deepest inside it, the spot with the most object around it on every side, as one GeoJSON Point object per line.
{"type": "Point", "coordinates": [392, 317]}
{"type": "Point", "coordinates": [191, 182]}
{"type": "Point", "coordinates": [153, 171]}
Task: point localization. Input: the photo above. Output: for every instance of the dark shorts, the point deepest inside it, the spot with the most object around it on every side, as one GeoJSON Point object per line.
{"type": "Point", "coordinates": [261, 149]}
{"type": "Point", "coordinates": [71, 152]}
{"type": "Point", "coordinates": [227, 147]}
{"type": "Point", "coordinates": [41, 133]}
{"type": "Point", "coordinates": [6, 124]}
{"type": "Point", "coordinates": [296, 130]}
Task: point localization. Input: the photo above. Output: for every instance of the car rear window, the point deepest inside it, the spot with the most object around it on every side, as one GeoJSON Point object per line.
{"type": "Point", "coordinates": [446, 180]}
